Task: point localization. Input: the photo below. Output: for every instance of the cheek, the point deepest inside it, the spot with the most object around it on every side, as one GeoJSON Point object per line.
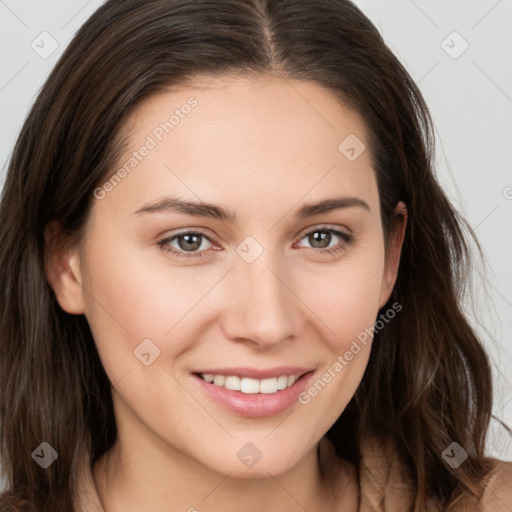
{"type": "Point", "coordinates": [347, 304]}
{"type": "Point", "coordinates": [136, 291]}
{"type": "Point", "coordinates": [129, 300]}
{"type": "Point", "coordinates": [346, 295]}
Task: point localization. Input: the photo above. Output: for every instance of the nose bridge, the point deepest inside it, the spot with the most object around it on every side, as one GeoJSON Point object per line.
{"type": "Point", "coordinates": [264, 309]}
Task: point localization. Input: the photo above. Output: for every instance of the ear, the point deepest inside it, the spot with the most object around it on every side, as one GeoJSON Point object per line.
{"type": "Point", "coordinates": [62, 265]}
{"type": "Point", "coordinates": [393, 251]}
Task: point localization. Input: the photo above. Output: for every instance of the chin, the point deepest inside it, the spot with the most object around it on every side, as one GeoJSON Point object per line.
{"type": "Point", "coordinates": [239, 464]}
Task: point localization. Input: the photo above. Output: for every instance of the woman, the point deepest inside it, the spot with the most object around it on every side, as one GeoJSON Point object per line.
{"type": "Point", "coordinates": [231, 280]}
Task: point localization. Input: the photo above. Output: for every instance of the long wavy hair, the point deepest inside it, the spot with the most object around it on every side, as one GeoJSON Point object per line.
{"type": "Point", "coordinates": [428, 380]}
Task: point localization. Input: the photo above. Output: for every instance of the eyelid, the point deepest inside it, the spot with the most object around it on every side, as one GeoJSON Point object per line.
{"type": "Point", "coordinates": [187, 231]}
{"type": "Point", "coordinates": [327, 227]}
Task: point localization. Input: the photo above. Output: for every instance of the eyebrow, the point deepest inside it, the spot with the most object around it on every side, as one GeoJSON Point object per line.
{"type": "Point", "coordinates": [207, 210]}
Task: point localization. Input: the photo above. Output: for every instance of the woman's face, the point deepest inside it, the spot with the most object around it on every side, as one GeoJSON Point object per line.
{"type": "Point", "coordinates": [266, 289]}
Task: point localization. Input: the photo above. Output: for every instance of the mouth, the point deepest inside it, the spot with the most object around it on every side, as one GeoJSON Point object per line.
{"type": "Point", "coordinates": [254, 393]}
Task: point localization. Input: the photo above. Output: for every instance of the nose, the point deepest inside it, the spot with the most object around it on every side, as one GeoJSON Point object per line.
{"type": "Point", "coordinates": [262, 309]}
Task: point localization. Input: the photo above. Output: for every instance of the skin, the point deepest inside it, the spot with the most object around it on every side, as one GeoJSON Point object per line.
{"type": "Point", "coordinates": [261, 148]}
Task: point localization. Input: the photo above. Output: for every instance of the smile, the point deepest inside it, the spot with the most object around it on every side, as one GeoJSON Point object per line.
{"type": "Point", "coordinates": [253, 393]}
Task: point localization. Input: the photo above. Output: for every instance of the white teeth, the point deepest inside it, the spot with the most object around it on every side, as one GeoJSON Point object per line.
{"type": "Point", "coordinates": [268, 385]}
{"type": "Point", "coordinates": [250, 386]}
{"type": "Point", "coordinates": [233, 383]}
{"type": "Point", "coordinates": [282, 382]}
{"type": "Point", "coordinates": [219, 380]}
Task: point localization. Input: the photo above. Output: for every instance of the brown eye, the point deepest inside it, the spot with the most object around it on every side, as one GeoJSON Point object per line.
{"type": "Point", "coordinates": [183, 243]}
{"type": "Point", "coordinates": [189, 242]}
{"type": "Point", "coordinates": [320, 239]}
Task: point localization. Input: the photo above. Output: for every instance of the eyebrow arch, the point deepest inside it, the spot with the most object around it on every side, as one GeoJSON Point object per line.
{"type": "Point", "coordinates": [199, 209]}
{"type": "Point", "coordinates": [328, 205]}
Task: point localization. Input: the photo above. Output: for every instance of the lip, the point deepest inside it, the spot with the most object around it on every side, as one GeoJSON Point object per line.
{"type": "Point", "coordinates": [257, 405]}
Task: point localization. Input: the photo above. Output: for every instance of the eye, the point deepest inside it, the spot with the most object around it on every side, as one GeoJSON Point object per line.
{"type": "Point", "coordinates": [186, 242]}
{"type": "Point", "coordinates": [321, 237]}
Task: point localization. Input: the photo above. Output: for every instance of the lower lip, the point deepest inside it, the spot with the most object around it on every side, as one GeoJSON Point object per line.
{"type": "Point", "coordinates": [255, 405]}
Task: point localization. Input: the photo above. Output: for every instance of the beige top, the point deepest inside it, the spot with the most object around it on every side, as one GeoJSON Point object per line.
{"type": "Point", "coordinates": [383, 481]}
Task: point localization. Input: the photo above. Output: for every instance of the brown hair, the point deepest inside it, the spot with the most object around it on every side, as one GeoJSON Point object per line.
{"type": "Point", "coordinates": [428, 381]}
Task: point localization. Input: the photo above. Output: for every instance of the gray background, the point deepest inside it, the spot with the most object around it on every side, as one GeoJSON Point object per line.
{"type": "Point", "coordinates": [469, 92]}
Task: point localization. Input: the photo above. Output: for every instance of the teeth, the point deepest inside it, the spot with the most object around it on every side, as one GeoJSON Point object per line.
{"type": "Point", "coordinates": [250, 386]}
{"type": "Point", "coordinates": [268, 385]}
{"type": "Point", "coordinates": [219, 380]}
{"type": "Point", "coordinates": [232, 382]}
{"type": "Point", "coordinates": [282, 382]}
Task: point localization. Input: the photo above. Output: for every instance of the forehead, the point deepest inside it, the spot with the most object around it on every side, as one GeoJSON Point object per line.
{"type": "Point", "coordinates": [246, 139]}
{"type": "Point", "coordinates": [265, 108]}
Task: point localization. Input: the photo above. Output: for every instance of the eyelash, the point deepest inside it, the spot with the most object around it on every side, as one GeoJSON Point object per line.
{"type": "Point", "coordinates": [345, 237]}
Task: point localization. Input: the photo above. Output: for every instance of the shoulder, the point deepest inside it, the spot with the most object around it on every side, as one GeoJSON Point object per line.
{"type": "Point", "coordinates": [386, 483]}
{"type": "Point", "coordinates": [496, 495]}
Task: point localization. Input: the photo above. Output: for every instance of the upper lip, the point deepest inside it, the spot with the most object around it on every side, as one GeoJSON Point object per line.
{"type": "Point", "coordinates": [255, 373]}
